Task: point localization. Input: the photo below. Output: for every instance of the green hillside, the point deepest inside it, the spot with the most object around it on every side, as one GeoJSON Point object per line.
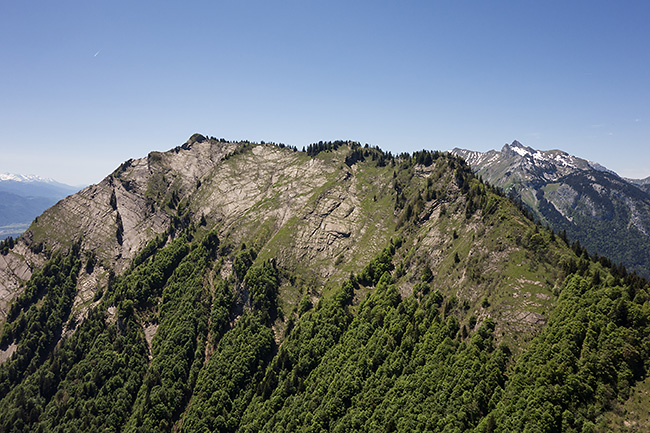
{"type": "Point", "coordinates": [339, 288]}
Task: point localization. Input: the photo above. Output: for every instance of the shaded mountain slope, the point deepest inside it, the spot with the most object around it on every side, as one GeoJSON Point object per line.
{"type": "Point", "coordinates": [15, 209]}
{"type": "Point", "coordinates": [252, 287]}
{"type": "Point", "coordinates": [644, 184]}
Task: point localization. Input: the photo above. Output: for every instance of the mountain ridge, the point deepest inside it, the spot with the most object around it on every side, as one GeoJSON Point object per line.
{"type": "Point", "coordinates": [589, 202]}
{"type": "Point", "coordinates": [312, 219]}
{"type": "Point", "coordinates": [252, 287]}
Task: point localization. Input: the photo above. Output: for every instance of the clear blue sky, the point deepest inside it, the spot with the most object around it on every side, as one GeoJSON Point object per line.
{"type": "Point", "coordinates": [85, 85]}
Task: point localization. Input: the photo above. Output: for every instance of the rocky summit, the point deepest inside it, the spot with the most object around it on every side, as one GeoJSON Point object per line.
{"type": "Point", "coordinates": [247, 287]}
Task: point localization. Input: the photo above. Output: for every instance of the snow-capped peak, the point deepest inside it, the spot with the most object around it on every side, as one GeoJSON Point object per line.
{"type": "Point", "coordinates": [558, 158]}
{"type": "Point", "coordinates": [525, 151]}
{"type": "Point", "coordinates": [29, 178]}
{"type": "Point", "coordinates": [520, 150]}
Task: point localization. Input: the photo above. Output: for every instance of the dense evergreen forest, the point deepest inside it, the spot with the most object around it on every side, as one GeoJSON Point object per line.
{"type": "Point", "coordinates": [230, 354]}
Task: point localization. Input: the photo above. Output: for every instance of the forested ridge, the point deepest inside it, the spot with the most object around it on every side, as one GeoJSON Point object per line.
{"type": "Point", "coordinates": [414, 339]}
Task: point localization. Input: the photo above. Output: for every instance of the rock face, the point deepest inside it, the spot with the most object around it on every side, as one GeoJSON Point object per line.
{"type": "Point", "coordinates": [609, 215]}
{"type": "Point", "coordinates": [124, 202]}
{"type": "Point", "coordinates": [15, 267]}
{"type": "Point", "coordinates": [305, 211]}
{"type": "Point", "coordinates": [321, 218]}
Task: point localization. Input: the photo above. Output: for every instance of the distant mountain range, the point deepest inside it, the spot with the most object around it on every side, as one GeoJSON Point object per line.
{"type": "Point", "coordinates": [606, 213]}
{"type": "Point", "coordinates": [24, 197]}
{"type": "Point", "coordinates": [644, 184]}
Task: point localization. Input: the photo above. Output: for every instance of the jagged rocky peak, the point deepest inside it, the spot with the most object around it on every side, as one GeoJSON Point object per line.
{"type": "Point", "coordinates": [518, 148]}
{"type": "Point", "coordinates": [518, 151]}
{"type": "Point", "coordinates": [570, 193]}
{"type": "Point", "coordinates": [520, 154]}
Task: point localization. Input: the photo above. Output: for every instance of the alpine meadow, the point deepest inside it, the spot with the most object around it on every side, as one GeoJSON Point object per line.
{"type": "Point", "coordinates": [255, 287]}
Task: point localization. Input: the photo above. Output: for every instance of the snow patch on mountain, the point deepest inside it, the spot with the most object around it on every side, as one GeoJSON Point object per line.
{"type": "Point", "coordinates": [24, 178]}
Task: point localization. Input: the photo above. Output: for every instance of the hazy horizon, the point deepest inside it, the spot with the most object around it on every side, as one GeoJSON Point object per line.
{"type": "Point", "coordinates": [87, 86]}
{"type": "Point", "coordinates": [82, 185]}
